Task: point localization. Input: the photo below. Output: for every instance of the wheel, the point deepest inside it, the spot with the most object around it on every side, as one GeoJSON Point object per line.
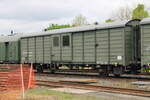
{"type": "Point", "coordinates": [134, 69]}
{"type": "Point", "coordinates": [52, 69]}
{"type": "Point", "coordinates": [102, 74]}
{"type": "Point", "coordinates": [117, 71]}
{"type": "Point", "coordinates": [117, 75]}
{"type": "Point", "coordinates": [39, 69]}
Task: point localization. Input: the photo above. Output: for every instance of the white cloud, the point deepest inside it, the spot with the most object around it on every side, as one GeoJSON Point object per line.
{"type": "Point", "coordinates": [34, 15]}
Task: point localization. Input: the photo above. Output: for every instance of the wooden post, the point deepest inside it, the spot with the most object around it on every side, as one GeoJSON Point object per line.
{"type": "Point", "coordinates": [22, 80]}
{"type": "Point", "coordinates": [31, 69]}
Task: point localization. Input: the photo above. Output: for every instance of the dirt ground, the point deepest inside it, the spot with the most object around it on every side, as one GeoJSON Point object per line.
{"type": "Point", "coordinates": [100, 95]}
{"type": "Point", "coordinates": [10, 95]}
{"type": "Point", "coordinates": [43, 93]}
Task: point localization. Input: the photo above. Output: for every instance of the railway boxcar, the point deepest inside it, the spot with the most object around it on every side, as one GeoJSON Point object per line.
{"type": "Point", "coordinates": [109, 48]}
{"type": "Point", "coordinates": [145, 44]}
{"type": "Point", "coordinates": [9, 49]}
{"type": "Point", "coordinates": [119, 47]}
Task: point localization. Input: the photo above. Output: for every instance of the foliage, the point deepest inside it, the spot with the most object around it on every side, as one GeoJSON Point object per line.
{"type": "Point", "coordinates": [139, 12]}
{"type": "Point", "coordinates": [109, 20]}
{"type": "Point", "coordinates": [128, 13]}
{"type": "Point", "coordinates": [56, 26]}
{"type": "Point", "coordinates": [79, 20]}
{"type": "Point", "coordinates": [96, 23]}
{"type": "Point", "coordinates": [123, 13]}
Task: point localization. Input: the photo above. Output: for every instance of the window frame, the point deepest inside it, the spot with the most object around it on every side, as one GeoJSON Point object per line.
{"type": "Point", "coordinates": [57, 40]}
{"type": "Point", "coordinates": [69, 41]}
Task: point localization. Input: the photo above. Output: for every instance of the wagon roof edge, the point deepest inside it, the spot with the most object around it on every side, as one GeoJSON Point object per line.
{"type": "Point", "coordinates": [79, 29]}
{"type": "Point", "coordinates": [145, 21]}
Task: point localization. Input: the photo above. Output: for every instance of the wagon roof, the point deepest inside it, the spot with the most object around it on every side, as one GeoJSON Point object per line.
{"type": "Point", "coordinates": [64, 30]}
{"type": "Point", "coordinates": [145, 21]}
{"type": "Point", "coordinates": [79, 29]}
{"type": "Point", "coordinates": [10, 38]}
{"type": "Point", "coordinates": [112, 25]}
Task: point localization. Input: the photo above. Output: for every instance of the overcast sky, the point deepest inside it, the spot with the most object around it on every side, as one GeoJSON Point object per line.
{"type": "Point", "coordinates": [35, 15]}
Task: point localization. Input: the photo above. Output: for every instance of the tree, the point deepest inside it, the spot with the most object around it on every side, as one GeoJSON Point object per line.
{"type": "Point", "coordinates": [95, 23]}
{"type": "Point", "coordinates": [79, 20]}
{"type": "Point", "coordinates": [128, 13]}
{"type": "Point", "coordinates": [56, 26]}
{"type": "Point", "coordinates": [109, 20]}
{"type": "Point", "coordinates": [139, 12]}
{"type": "Point", "coordinates": [123, 13]}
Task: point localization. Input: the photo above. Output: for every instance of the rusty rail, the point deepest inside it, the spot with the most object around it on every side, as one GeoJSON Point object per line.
{"type": "Point", "coordinates": [96, 88]}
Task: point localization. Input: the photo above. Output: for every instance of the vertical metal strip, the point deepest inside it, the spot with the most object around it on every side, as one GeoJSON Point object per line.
{"type": "Point", "coordinates": [108, 46]}
{"type": "Point", "coordinates": [83, 45]}
{"type": "Point", "coordinates": [43, 48]}
{"type": "Point", "coordinates": [142, 51]}
{"type": "Point", "coordinates": [124, 45]}
{"type": "Point", "coordinates": [50, 40]}
{"type": "Point", "coordinates": [35, 51]}
{"type": "Point", "coordinates": [60, 47]}
{"type": "Point", "coordinates": [135, 43]}
{"type": "Point", "coordinates": [95, 48]}
{"type": "Point", "coordinates": [71, 44]}
{"type": "Point", "coordinates": [27, 50]}
{"type": "Point", "coordinates": [19, 51]}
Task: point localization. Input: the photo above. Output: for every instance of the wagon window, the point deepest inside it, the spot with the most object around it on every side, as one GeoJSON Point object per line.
{"type": "Point", "coordinates": [55, 41]}
{"type": "Point", "coordinates": [66, 41]}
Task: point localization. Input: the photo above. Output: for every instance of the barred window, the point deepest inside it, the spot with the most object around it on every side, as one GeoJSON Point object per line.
{"type": "Point", "coordinates": [55, 41]}
{"type": "Point", "coordinates": [66, 41]}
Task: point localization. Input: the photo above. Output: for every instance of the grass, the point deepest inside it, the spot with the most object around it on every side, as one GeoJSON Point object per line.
{"type": "Point", "coordinates": [46, 94]}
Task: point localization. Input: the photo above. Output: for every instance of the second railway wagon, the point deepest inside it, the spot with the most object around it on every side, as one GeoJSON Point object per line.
{"type": "Point", "coordinates": [108, 48]}
{"type": "Point", "coordinates": [9, 49]}
{"type": "Point", "coordinates": [145, 44]}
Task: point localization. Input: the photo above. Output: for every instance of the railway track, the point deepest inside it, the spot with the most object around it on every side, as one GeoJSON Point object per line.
{"type": "Point", "coordinates": [93, 87]}
{"type": "Point", "coordinates": [143, 77]}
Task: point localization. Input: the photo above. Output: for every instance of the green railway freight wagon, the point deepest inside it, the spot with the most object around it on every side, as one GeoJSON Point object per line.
{"type": "Point", "coordinates": [9, 49]}
{"type": "Point", "coordinates": [118, 46]}
{"type": "Point", "coordinates": [145, 44]}
{"type": "Point", "coordinates": [109, 48]}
